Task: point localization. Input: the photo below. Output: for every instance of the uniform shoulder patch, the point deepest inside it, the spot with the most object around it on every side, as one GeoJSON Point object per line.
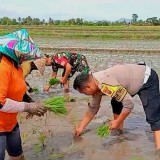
{"type": "Point", "coordinates": [117, 92]}
{"type": "Point", "coordinates": [107, 89]}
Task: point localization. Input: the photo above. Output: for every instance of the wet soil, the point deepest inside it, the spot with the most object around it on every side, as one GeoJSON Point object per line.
{"type": "Point", "coordinates": [51, 137]}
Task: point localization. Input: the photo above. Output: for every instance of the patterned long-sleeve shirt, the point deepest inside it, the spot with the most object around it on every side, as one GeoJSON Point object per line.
{"type": "Point", "coordinates": [77, 61]}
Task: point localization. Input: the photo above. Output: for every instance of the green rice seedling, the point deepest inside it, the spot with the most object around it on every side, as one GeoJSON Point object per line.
{"type": "Point", "coordinates": [103, 131]}
{"type": "Point", "coordinates": [57, 155]}
{"type": "Point", "coordinates": [54, 81]}
{"type": "Point", "coordinates": [56, 105]}
{"type": "Point", "coordinates": [21, 118]}
{"type": "Point", "coordinates": [40, 146]}
{"type": "Point", "coordinates": [37, 148]}
{"type": "Point", "coordinates": [42, 137]}
{"type": "Point", "coordinates": [24, 137]}
{"type": "Point", "coordinates": [71, 149]}
{"type": "Point", "coordinates": [68, 151]}
{"type": "Point", "coordinates": [35, 90]}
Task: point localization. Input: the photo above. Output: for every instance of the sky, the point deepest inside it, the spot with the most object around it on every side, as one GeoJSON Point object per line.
{"type": "Point", "coordinates": [87, 9]}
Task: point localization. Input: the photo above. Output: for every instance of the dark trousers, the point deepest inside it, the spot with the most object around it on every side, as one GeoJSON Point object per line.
{"type": "Point", "coordinates": [11, 142]}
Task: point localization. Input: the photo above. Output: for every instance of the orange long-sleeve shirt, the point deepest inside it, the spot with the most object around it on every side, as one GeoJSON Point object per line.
{"type": "Point", "coordinates": [13, 86]}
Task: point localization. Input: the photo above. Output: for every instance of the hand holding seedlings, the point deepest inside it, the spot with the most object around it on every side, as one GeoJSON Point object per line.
{"type": "Point", "coordinates": [56, 105]}
{"type": "Point", "coordinates": [35, 108]}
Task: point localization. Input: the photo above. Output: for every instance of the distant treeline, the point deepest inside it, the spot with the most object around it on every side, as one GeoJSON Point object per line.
{"type": "Point", "coordinates": [154, 21]}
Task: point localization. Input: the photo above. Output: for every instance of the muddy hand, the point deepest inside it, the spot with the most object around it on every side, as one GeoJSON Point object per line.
{"type": "Point", "coordinates": [29, 116]}
{"type": "Point", "coordinates": [114, 124]}
{"type": "Point", "coordinates": [78, 131]}
{"type": "Point", "coordinates": [35, 108]}
{"type": "Point", "coordinates": [46, 88]}
{"type": "Point", "coordinates": [63, 80]}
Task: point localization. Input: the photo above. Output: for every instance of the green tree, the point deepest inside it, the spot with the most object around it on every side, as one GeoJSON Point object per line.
{"type": "Point", "coordinates": [155, 21]}
{"type": "Point", "coordinates": [19, 19]}
{"type": "Point", "coordinates": [6, 21]}
{"type": "Point", "coordinates": [79, 21]}
{"type": "Point", "coordinates": [50, 21]}
{"type": "Point", "coordinates": [23, 21]}
{"type": "Point", "coordinates": [29, 20]}
{"type": "Point", "coordinates": [57, 22]}
{"type": "Point", "coordinates": [140, 22]}
{"type": "Point", "coordinates": [14, 21]}
{"type": "Point", "coordinates": [134, 18]}
{"type": "Point", "coordinates": [149, 20]}
{"type": "Point", "coordinates": [43, 22]}
{"type": "Point", "coordinates": [36, 21]}
{"type": "Point", "coordinates": [72, 21]}
{"type": "Point", "coordinates": [26, 21]}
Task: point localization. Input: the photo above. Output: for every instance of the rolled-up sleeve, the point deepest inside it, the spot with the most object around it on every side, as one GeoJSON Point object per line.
{"type": "Point", "coordinates": [95, 103]}
{"type": "Point", "coordinates": [128, 103]}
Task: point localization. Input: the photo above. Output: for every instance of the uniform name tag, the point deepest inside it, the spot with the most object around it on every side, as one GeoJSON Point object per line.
{"type": "Point", "coordinates": [120, 94]}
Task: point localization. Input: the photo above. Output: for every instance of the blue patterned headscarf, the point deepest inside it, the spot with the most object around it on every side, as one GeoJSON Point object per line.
{"type": "Point", "coordinates": [19, 46]}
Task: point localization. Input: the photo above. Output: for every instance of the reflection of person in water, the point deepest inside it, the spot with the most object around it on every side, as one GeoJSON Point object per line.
{"type": "Point", "coordinates": [121, 83]}
{"type": "Point", "coordinates": [70, 62]}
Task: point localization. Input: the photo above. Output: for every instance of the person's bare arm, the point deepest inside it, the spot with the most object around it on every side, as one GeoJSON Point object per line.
{"type": "Point", "coordinates": [67, 72]}
{"type": "Point", "coordinates": [89, 115]}
{"type": "Point", "coordinates": [54, 74]}
{"type": "Point", "coordinates": [48, 86]}
{"type": "Point", "coordinates": [85, 121]}
{"type": "Point", "coordinates": [128, 105]}
{"type": "Point", "coordinates": [127, 108]}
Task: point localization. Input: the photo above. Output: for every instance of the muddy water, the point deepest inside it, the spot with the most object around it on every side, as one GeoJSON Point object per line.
{"type": "Point", "coordinates": [132, 44]}
{"type": "Point", "coordinates": [135, 144]}
{"type": "Point", "coordinates": [51, 137]}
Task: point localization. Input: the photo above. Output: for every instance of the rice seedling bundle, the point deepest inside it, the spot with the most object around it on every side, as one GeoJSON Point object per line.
{"type": "Point", "coordinates": [103, 131]}
{"type": "Point", "coordinates": [56, 105]}
{"type": "Point", "coordinates": [54, 81]}
{"type": "Point", "coordinates": [35, 90]}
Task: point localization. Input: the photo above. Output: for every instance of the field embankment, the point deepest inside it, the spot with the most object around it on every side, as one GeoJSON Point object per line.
{"type": "Point", "coordinates": [90, 32]}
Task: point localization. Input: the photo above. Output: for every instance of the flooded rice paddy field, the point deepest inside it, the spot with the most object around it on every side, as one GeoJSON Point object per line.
{"type": "Point", "coordinates": [51, 137]}
{"type": "Point", "coordinates": [132, 44]}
